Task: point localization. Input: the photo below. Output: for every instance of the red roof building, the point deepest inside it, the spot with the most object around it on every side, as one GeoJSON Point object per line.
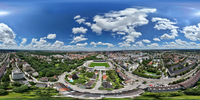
{"type": "Point", "coordinates": [105, 77]}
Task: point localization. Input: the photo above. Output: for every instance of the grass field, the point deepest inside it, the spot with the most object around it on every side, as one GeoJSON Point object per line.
{"type": "Point", "coordinates": [99, 64]}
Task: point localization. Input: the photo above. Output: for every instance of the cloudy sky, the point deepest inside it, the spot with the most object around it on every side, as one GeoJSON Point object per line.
{"type": "Point", "coordinates": [99, 24]}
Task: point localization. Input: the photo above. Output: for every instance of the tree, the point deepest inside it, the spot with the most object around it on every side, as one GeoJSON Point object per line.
{"type": "Point", "coordinates": [131, 69]}
{"type": "Point", "coordinates": [158, 73]}
{"type": "Point", "coordinates": [112, 76]}
{"type": "Point", "coordinates": [186, 64]}
{"type": "Point", "coordinates": [108, 79]}
{"type": "Point", "coordinates": [90, 74]}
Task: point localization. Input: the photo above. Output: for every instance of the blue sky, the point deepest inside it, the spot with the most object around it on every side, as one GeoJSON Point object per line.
{"type": "Point", "coordinates": [99, 24]}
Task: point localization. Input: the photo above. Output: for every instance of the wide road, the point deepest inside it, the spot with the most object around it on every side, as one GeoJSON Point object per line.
{"type": "Point", "coordinates": [150, 80]}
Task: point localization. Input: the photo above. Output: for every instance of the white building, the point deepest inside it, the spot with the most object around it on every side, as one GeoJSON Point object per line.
{"type": "Point", "coordinates": [133, 66]}
{"type": "Point", "coordinates": [17, 74]}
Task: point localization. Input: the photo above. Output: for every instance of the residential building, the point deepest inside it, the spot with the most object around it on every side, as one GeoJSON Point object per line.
{"type": "Point", "coordinates": [107, 85]}
{"type": "Point", "coordinates": [89, 84]}
{"type": "Point", "coordinates": [44, 79]}
{"type": "Point", "coordinates": [124, 77]}
{"type": "Point", "coordinates": [41, 85]}
{"type": "Point", "coordinates": [26, 67]}
{"type": "Point", "coordinates": [17, 74]}
{"type": "Point", "coordinates": [105, 78]}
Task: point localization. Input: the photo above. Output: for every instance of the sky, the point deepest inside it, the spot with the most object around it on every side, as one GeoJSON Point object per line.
{"type": "Point", "coordinates": [95, 25]}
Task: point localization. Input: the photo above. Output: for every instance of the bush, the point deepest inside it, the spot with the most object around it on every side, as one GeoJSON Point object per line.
{"type": "Point", "coordinates": [20, 89]}
{"type": "Point", "coordinates": [32, 83]}
{"type": "Point", "coordinates": [101, 88]}
{"type": "Point", "coordinates": [109, 89]}
{"type": "Point", "coordinates": [3, 92]}
{"type": "Point", "coordinates": [16, 84]}
{"type": "Point", "coordinates": [2, 87]}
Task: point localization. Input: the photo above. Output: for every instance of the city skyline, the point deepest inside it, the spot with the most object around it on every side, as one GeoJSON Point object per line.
{"type": "Point", "coordinates": [99, 25]}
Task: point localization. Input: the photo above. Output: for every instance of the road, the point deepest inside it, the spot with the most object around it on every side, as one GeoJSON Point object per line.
{"type": "Point", "coordinates": [98, 83]}
{"type": "Point", "coordinates": [126, 88]}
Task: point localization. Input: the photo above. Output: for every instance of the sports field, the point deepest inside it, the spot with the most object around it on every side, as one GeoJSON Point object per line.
{"type": "Point", "coordinates": [99, 64]}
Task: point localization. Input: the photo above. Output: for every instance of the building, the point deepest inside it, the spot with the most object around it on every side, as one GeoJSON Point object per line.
{"type": "Point", "coordinates": [99, 68]}
{"type": "Point", "coordinates": [107, 85]}
{"type": "Point", "coordinates": [77, 73]}
{"type": "Point", "coordinates": [105, 78]}
{"type": "Point", "coordinates": [3, 68]}
{"type": "Point", "coordinates": [183, 85]}
{"type": "Point", "coordinates": [124, 77]}
{"type": "Point", "coordinates": [26, 67]}
{"type": "Point", "coordinates": [72, 77]}
{"type": "Point", "coordinates": [41, 85]}
{"type": "Point", "coordinates": [17, 74]}
{"type": "Point", "coordinates": [89, 84]}
{"type": "Point", "coordinates": [96, 72]}
{"type": "Point", "coordinates": [61, 87]}
{"type": "Point", "coordinates": [44, 79]}
{"type": "Point", "coordinates": [93, 77]}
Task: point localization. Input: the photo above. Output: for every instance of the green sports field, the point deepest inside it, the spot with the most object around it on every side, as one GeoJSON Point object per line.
{"type": "Point", "coordinates": [99, 64]}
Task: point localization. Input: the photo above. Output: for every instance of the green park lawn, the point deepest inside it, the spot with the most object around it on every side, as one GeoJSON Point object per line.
{"type": "Point", "coordinates": [18, 95]}
{"type": "Point", "coordinates": [150, 73]}
{"type": "Point", "coordinates": [56, 65]}
{"type": "Point", "coordinates": [99, 64]}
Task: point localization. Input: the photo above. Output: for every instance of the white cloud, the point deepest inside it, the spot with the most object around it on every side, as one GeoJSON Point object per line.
{"type": "Point", "coordinates": [2, 13]}
{"type": "Point", "coordinates": [81, 45]}
{"type": "Point", "coordinates": [113, 34]}
{"type": "Point", "coordinates": [51, 36]}
{"type": "Point", "coordinates": [96, 29]}
{"type": "Point", "coordinates": [153, 45]}
{"type": "Point", "coordinates": [164, 24]}
{"type": "Point", "coordinates": [166, 36]}
{"type": "Point", "coordinates": [76, 17]}
{"type": "Point", "coordinates": [156, 39]}
{"type": "Point", "coordinates": [7, 35]}
{"type": "Point", "coordinates": [121, 33]}
{"type": "Point", "coordinates": [131, 37]}
{"type": "Point", "coordinates": [139, 44]}
{"type": "Point", "coordinates": [68, 47]}
{"type": "Point", "coordinates": [193, 44]}
{"type": "Point", "coordinates": [79, 30]}
{"type": "Point", "coordinates": [88, 24]}
{"type": "Point", "coordinates": [41, 44]}
{"type": "Point", "coordinates": [146, 41]}
{"type": "Point", "coordinates": [121, 21]}
{"type": "Point", "coordinates": [180, 42]}
{"type": "Point", "coordinates": [100, 43]}
{"type": "Point", "coordinates": [82, 20]}
{"type": "Point", "coordinates": [57, 44]}
{"type": "Point", "coordinates": [24, 40]}
{"type": "Point", "coordinates": [124, 44]}
{"type": "Point", "coordinates": [192, 32]}
{"type": "Point", "coordinates": [78, 39]}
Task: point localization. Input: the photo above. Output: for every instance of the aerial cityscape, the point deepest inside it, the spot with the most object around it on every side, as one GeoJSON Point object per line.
{"type": "Point", "coordinates": [99, 49]}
